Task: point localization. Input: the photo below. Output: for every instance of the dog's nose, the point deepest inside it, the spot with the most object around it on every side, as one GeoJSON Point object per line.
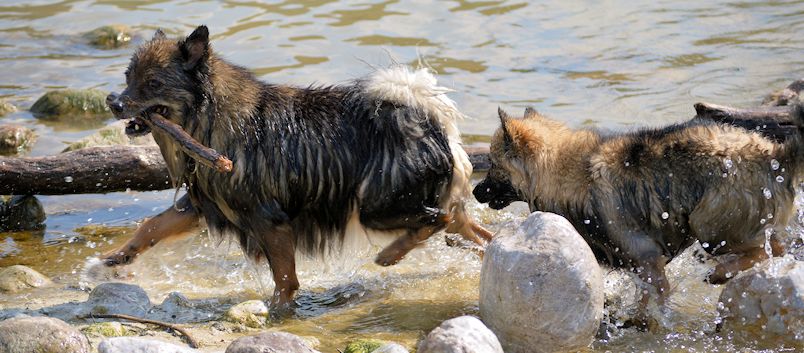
{"type": "Point", "coordinates": [114, 103]}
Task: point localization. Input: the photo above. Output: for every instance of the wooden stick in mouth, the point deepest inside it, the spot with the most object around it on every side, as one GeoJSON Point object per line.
{"type": "Point", "coordinates": [205, 155]}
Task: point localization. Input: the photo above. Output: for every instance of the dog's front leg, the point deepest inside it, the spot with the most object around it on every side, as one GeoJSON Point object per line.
{"type": "Point", "coordinates": [177, 221]}
{"type": "Point", "coordinates": [394, 253]}
{"type": "Point", "coordinates": [281, 255]}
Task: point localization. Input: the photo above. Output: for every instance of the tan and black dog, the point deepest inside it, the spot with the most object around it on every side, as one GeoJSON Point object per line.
{"type": "Point", "coordinates": [383, 152]}
{"type": "Point", "coordinates": [640, 198]}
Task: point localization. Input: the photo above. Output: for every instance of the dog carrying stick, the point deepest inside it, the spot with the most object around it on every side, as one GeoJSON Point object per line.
{"type": "Point", "coordinates": [188, 144]}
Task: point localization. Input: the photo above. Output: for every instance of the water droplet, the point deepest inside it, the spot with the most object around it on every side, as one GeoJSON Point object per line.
{"type": "Point", "coordinates": [774, 164]}
{"type": "Point", "coordinates": [762, 221]}
{"type": "Point", "coordinates": [779, 179]}
{"type": "Point", "coordinates": [728, 163]}
{"type": "Point", "coordinates": [665, 215]}
{"type": "Point", "coordinates": [586, 221]}
{"type": "Point", "coordinates": [767, 193]}
{"type": "Point", "coordinates": [705, 245]}
{"type": "Point", "coordinates": [68, 179]}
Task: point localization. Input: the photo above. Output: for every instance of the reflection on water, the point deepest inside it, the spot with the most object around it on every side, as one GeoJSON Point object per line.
{"type": "Point", "coordinates": [608, 64]}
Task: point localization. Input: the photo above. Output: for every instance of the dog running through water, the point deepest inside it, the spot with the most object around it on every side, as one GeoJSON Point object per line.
{"type": "Point", "coordinates": [640, 198]}
{"type": "Point", "coordinates": [383, 151]}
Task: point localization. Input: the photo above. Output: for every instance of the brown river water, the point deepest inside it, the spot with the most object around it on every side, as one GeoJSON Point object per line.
{"type": "Point", "coordinates": [611, 64]}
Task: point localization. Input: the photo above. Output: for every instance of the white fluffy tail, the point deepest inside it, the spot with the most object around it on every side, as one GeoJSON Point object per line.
{"type": "Point", "coordinates": [419, 88]}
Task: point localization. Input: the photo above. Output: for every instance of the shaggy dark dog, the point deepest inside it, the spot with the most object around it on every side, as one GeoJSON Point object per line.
{"type": "Point", "coordinates": [640, 198]}
{"type": "Point", "coordinates": [384, 152]}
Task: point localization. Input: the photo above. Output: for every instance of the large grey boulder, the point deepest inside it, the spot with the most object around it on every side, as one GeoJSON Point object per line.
{"type": "Point", "coordinates": [40, 335]}
{"type": "Point", "coordinates": [118, 298]}
{"type": "Point", "coordinates": [18, 277]}
{"type": "Point", "coordinates": [465, 334]}
{"type": "Point", "coordinates": [768, 297]}
{"type": "Point", "coordinates": [541, 288]}
{"type": "Point", "coordinates": [270, 342]}
{"type": "Point", "coordinates": [140, 345]}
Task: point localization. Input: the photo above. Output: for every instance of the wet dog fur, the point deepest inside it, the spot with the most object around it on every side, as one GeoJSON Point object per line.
{"type": "Point", "coordinates": [640, 198]}
{"type": "Point", "coordinates": [384, 151]}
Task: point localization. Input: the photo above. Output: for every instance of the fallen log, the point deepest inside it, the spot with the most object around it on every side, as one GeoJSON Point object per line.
{"type": "Point", "coordinates": [774, 122]}
{"type": "Point", "coordinates": [88, 170]}
{"type": "Point", "coordinates": [99, 170]}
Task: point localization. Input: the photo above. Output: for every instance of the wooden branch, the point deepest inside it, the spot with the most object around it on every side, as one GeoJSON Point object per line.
{"type": "Point", "coordinates": [98, 170]}
{"type": "Point", "coordinates": [772, 121]}
{"type": "Point", "coordinates": [192, 342]}
{"type": "Point", "coordinates": [88, 170]}
{"type": "Point", "coordinates": [188, 144]}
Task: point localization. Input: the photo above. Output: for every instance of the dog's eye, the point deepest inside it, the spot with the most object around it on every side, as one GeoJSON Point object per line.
{"type": "Point", "coordinates": [154, 84]}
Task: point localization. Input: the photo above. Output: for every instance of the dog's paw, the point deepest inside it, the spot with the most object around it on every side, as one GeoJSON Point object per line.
{"type": "Point", "coordinates": [386, 259]}
{"type": "Point", "coordinates": [118, 257]}
{"type": "Point", "coordinates": [718, 276]}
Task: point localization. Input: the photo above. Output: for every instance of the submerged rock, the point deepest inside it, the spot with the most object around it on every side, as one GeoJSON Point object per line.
{"type": "Point", "coordinates": [391, 348]}
{"type": "Point", "coordinates": [109, 37]}
{"type": "Point", "coordinates": [21, 212]}
{"type": "Point", "coordinates": [363, 346]}
{"type": "Point", "coordinates": [71, 103]}
{"type": "Point", "coordinates": [118, 298]}
{"type": "Point", "coordinates": [768, 297]}
{"type": "Point", "coordinates": [790, 95]}
{"type": "Point", "coordinates": [465, 334]}
{"type": "Point", "coordinates": [15, 139]}
{"type": "Point", "coordinates": [105, 329]}
{"type": "Point", "coordinates": [140, 345]}
{"type": "Point", "coordinates": [16, 278]}
{"type": "Point", "coordinates": [541, 288]}
{"type": "Point", "coordinates": [270, 342]}
{"type": "Point", "coordinates": [40, 335]}
{"type": "Point", "coordinates": [113, 134]}
{"type": "Point", "coordinates": [6, 107]}
{"type": "Point", "coordinates": [252, 313]}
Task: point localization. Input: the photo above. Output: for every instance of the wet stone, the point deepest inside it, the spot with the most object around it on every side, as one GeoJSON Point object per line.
{"type": "Point", "coordinates": [252, 313]}
{"type": "Point", "coordinates": [15, 139]}
{"type": "Point", "coordinates": [113, 134]}
{"type": "Point", "coordinates": [270, 342]}
{"type": "Point", "coordinates": [21, 212]}
{"type": "Point", "coordinates": [541, 288]}
{"type": "Point", "coordinates": [109, 37]}
{"type": "Point", "coordinates": [459, 335]}
{"type": "Point", "coordinates": [67, 103]}
{"type": "Point", "coordinates": [105, 329]}
{"type": "Point", "coordinates": [40, 335]}
{"type": "Point", "coordinates": [118, 298]}
{"type": "Point", "coordinates": [6, 108]}
{"type": "Point", "coordinates": [16, 278]}
{"type": "Point", "coordinates": [391, 348]}
{"type": "Point", "coordinates": [363, 346]}
{"type": "Point", "coordinates": [768, 297]}
{"type": "Point", "coordinates": [140, 345]}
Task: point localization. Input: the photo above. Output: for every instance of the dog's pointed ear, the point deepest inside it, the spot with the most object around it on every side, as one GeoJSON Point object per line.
{"type": "Point", "coordinates": [159, 35]}
{"type": "Point", "coordinates": [504, 119]}
{"type": "Point", "coordinates": [195, 48]}
{"type": "Point", "coordinates": [531, 113]}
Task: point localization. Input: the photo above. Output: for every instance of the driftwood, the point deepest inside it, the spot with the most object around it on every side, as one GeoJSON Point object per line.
{"type": "Point", "coordinates": [97, 170]}
{"type": "Point", "coordinates": [88, 170]}
{"type": "Point", "coordinates": [188, 144]}
{"type": "Point", "coordinates": [772, 121]}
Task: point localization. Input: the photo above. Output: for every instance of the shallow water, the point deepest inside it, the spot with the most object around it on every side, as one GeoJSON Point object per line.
{"type": "Point", "coordinates": [608, 64]}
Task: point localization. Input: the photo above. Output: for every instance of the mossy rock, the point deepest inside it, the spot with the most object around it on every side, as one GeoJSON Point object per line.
{"type": "Point", "coordinates": [113, 134]}
{"type": "Point", "coordinates": [6, 108]}
{"type": "Point", "coordinates": [59, 104]}
{"type": "Point", "coordinates": [367, 345]}
{"type": "Point", "coordinates": [15, 139]}
{"type": "Point", "coordinates": [109, 37]}
{"type": "Point", "coordinates": [106, 329]}
{"type": "Point", "coordinates": [252, 313]}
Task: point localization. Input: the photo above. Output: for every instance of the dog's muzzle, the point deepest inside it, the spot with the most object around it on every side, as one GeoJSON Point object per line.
{"type": "Point", "coordinates": [495, 193]}
{"type": "Point", "coordinates": [120, 106]}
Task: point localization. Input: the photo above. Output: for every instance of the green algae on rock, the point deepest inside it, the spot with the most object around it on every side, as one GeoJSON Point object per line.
{"type": "Point", "coordinates": [6, 108]}
{"type": "Point", "coordinates": [109, 37]}
{"type": "Point", "coordinates": [106, 329]}
{"type": "Point", "coordinates": [111, 135]}
{"type": "Point", "coordinates": [363, 345]}
{"type": "Point", "coordinates": [58, 104]}
{"type": "Point", "coordinates": [252, 313]}
{"type": "Point", "coordinates": [15, 139]}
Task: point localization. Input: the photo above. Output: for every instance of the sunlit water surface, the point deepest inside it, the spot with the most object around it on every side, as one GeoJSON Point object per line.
{"type": "Point", "coordinates": [609, 64]}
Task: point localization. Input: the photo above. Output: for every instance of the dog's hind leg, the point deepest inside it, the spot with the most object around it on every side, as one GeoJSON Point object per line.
{"type": "Point", "coordinates": [280, 252]}
{"type": "Point", "coordinates": [393, 253]}
{"type": "Point", "coordinates": [725, 271]}
{"type": "Point", "coordinates": [460, 223]}
{"type": "Point", "coordinates": [178, 221]}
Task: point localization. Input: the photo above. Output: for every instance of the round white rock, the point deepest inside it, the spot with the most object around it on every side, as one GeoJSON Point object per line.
{"type": "Point", "coordinates": [541, 288]}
